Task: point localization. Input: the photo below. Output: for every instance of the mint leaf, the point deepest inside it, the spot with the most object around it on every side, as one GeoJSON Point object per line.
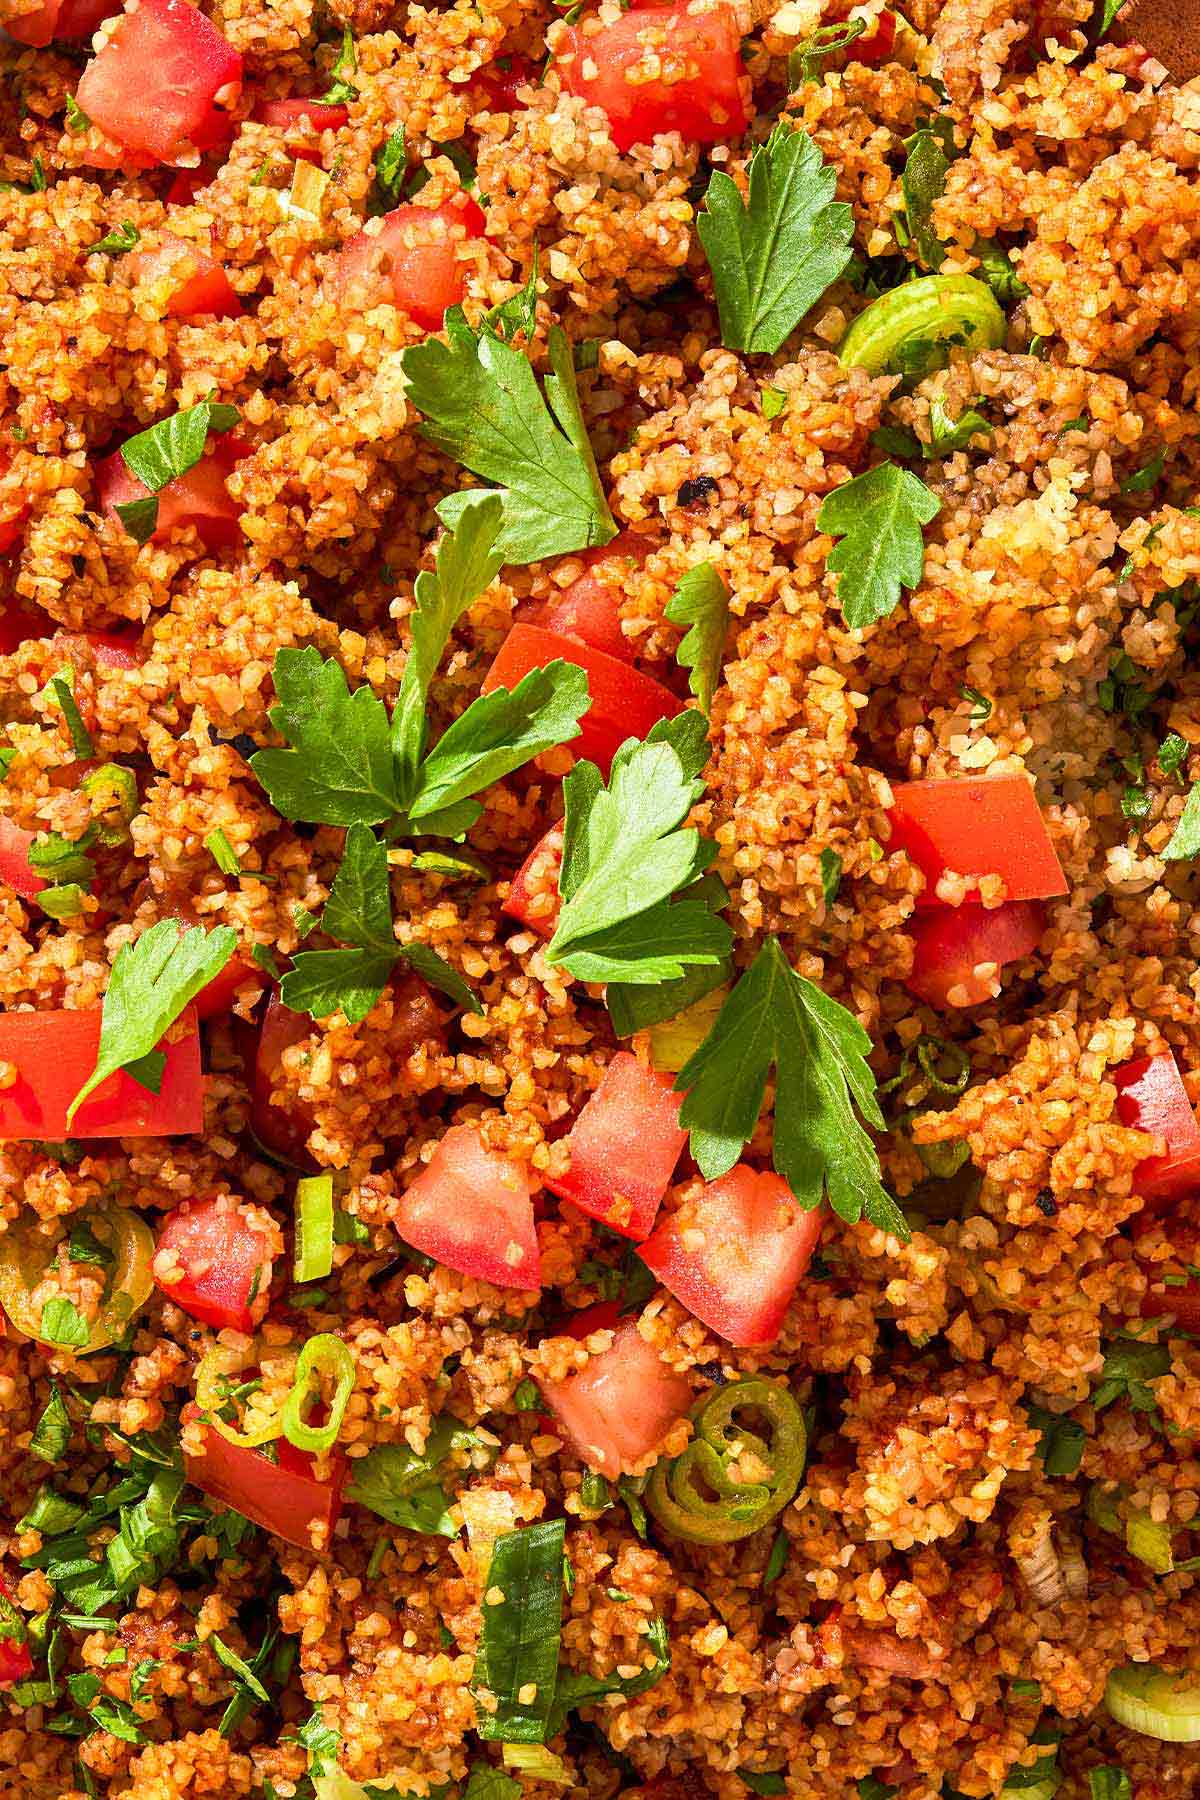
{"type": "Point", "coordinates": [482, 406]}
{"type": "Point", "coordinates": [879, 517]}
{"type": "Point", "coordinates": [467, 562]}
{"type": "Point", "coordinates": [773, 256]}
{"type": "Point", "coordinates": [339, 771]}
{"type": "Point", "coordinates": [152, 981]}
{"type": "Point", "coordinates": [62, 1323]}
{"type": "Point", "coordinates": [776, 1019]}
{"type": "Point", "coordinates": [701, 601]}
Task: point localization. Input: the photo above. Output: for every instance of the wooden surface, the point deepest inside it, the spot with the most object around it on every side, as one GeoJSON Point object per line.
{"type": "Point", "coordinates": [1170, 29]}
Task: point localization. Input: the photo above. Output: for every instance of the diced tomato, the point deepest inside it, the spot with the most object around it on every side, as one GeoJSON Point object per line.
{"type": "Point", "coordinates": [951, 943]}
{"type": "Point", "coordinates": [589, 609]}
{"type": "Point", "coordinates": [19, 622]}
{"type": "Point", "coordinates": [976, 828]}
{"type": "Point", "coordinates": [660, 69]}
{"type": "Point", "coordinates": [186, 184]}
{"type": "Point", "coordinates": [624, 1146]}
{"type": "Point", "coordinates": [112, 650]}
{"type": "Point", "coordinates": [1182, 1303]}
{"type": "Point", "coordinates": [735, 1253]}
{"type": "Point", "coordinates": [10, 528]}
{"type": "Point", "coordinates": [198, 498]}
{"type": "Point", "coordinates": [155, 83]}
{"type": "Point", "coordinates": [875, 46]}
{"type": "Point", "coordinates": [198, 285]}
{"type": "Point", "coordinates": [471, 1208]}
{"type": "Point", "coordinates": [497, 84]}
{"type": "Point", "coordinates": [16, 1662]}
{"type": "Point", "coordinates": [15, 871]}
{"type": "Point", "coordinates": [60, 19]}
{"type": "Point", "coordinates": [283, 1496]}
{"type": "Point", "coordinates": [281, 1129]}
{"type": "Point", "coordinates": [624, 702]}
{"type": "Point", "coordinates": [605, 1315]}
{"type": "Point", "coordinates": [412, 257]}
{"type": "Point", "coordinates": [1151, 1097]}
{"type": "Point", "coordinates": [618, 1409]}
{"type": "Point", "coordinates": [533, 897]}
{"type": "Point", "coordinates": [213, 1261]}
{"type": "Point", "coordinates": [55, 1052]}
{"type": "Point", "coordinates": [216, 997]}
{"type": "Point", "coordinates": [301, 121]}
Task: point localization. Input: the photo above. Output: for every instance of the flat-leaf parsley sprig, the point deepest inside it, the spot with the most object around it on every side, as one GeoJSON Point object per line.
{"type": "Point", "coordinates": [348, 764]}
{"type": "Point", "coordinates": [879, 518]}
{"type": "Point", "coordinates": [777, 1019]}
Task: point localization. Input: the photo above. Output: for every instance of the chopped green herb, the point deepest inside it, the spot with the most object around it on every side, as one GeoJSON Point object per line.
{"type": "Point", "coordinates": [1109, 1783]}
{"type": "Point", "coordinates": [62, 1323]}
{"type": "Point", "coordinates": [163, 453]}
{"type": "Point", "coordinates": [1143, 479]}
{"type": "Point", "coordinates": [947, 434]}
{"type": "Point", "coordinates": [996, 268]}
{"type": "Point", "coordinates": [304, 921]}
{"type": "Point", "coordinates": [341, 90]}
{"type": "Point", "coordinates": [1107, 17]}
{"type": "Point", "coordinates": [981, 706]}
{"type": "Point", "coordinates": [405, 1488]}
{"type": "Point", "coordinates": [118, 242]}
{"type": "Point", "coordinates": [391, 166]}
{"type": "Point", "coordinates": [52, 1433]}
{"type": "Point", "coordinates": [222, 852]}
{"type": "Point", "coordinates": [517, 1660]}
{"type": "Point", "coordinates": [894, 441]}
{"type": "Point", "coordinates": [236, 1666]}
{"type": "Point", "coordinates": [594, 1492]}
{"type": "Point", "coordinates": [264, 958]}
{"type": "Point", "coordinates": [62, 687]}
{"type": "Point", "coordinates": [701, 601]}
{"type": "Point", "coordinates": [526, 1397]}
{"type": "Point", "coordinates": [807, 61]}
{"type": "Point", "coordinates": [1082, 423]}
{"type": "Point", "coordinates": [879, 518]}
{"type": "Point", "coordinates": [1184, 842]}
{"type": "Point", "coordinates": [764, 1781]}
{"type": "Point", "coordinates": [777, 1561]}
{"type": "Point", "coordinates": [1172, 753]}
{"type": "Point", "coordinates": [1129, 1368]}
{"type": "Point", "coordinates": [65, 902]}
{"type": "Point", "coordinates": [774, 402]}
{"type": "Point", "coordinates": [831, 875]}
{"type": "Point", "coordinates": [83, 1246]}
{"type": "Point", "coordinates": [1062, 1441]}
{"type": "Point", "coordinates": [347, 1229]}
{"type": "Point", "coordinates": [931, 149]}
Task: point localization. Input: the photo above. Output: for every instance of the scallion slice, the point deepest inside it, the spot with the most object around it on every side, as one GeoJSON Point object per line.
{"type": "Point", "coordinates": [321, 1355]}
{"type": "Point", "coordinates": [314, 1228]}
{"type": "Point", "coordinates": [1156, 1702]}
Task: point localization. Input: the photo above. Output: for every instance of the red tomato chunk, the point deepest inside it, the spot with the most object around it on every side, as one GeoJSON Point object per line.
{"type": "Point", "coordinates": [156, 84]}
{"type": "Point", "coordinates": [533, 897]}
{"type": "Point", "coordinates": [590, 608]}
{"type": "Point", "coordinates": [958, 951]}
{"type": "Point", "coordinates": [15, 871]}
{"type": "Point", "coordinates": [617, 1410]}
{"type": "Point", "coordinates": [976, 828]}
{"type": "Point", "coordinates": [198, 498]}
{"type": "Point", "coordinates": [214, 1262]}
{"type": "Point", "coordinates": [735, 1253]}
{"type": "Point", "coordinates": [196, 285]}
{"type": "Point", "coordinates": [59, 19]}
{"type": "Point", "coordinates": [284, 1497]}
{"type": "Point", "coordinates": [1151, 1097]}
{"type": "Point", "coordinates": [16, 1662]}
{"type": "Point", "coordinates": [660, 69]}
{"type": "Point", "coordinates": [624, 702]}
{"type": "Point", "coordinates": [497, 84]}
{"type": "Point", "coordinates": [281, 1128]}
{"type": "Point", "coordinates": [299, 119]}
{"type": "Point", "coordinates": [55, 1052]}
{"type": "Point", "coordinates": [411, 256]}
{"type": "Point", "coordinates": [472, 1209]}
{"type": "Point", "coordinates": [624, 1146]}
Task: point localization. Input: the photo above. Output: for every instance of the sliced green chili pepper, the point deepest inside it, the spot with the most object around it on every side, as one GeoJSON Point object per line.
{"type": "Point", "coordinates": [695, 1496]}
{"type": "Point", "coordinates": [322, 1355]}
{"type": "Point", "coordinates": [912, 329]}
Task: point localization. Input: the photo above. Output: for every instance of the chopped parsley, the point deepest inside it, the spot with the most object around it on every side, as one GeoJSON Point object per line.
{"type": "Point", "coordinates": [118, 242]}
{"type": "Point", "coordinates": [62, 688]}
{"type": "Point", "coordinates": [931, 149]}
{"type": "Point", "coordinates": [1184, 842]}
{"type": "Point", "coordinates": [341, 90]}
{"type": "Point", "coordinates": [831, 875]}
{"type": "Point", "coordinates": [1143, 479]}
{"type": "Point", "coordinates": [1129, 1368]}
{"type": "Point", "coordinates": [52, 1433]}
{"type": "Point", "coordinates": [879, 518]}
{"type": "Point", "coordinates": [163, 453]}
{"type": "Point", "coordinates": [1172, 753]}
{"type": "Point", "coordinates": [222, 852]}
{"type": "Point", "coordinates": [701, 601]}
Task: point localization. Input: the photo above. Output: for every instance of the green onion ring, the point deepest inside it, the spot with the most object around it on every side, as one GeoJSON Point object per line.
{"type": "Point", "coordinates": [694, 1496]}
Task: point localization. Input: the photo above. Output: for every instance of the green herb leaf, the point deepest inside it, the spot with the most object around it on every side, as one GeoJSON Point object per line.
{"type": "Point", "coordinates": [527, 1396]}
{"type": "Point", "coordinates": [764, 1781]}
{"type": "Point", "coordinates": [1129, 1368]}
{"type": "Point", "coordinates": [831, 875]}
{"type": "Point", "coordinates": [1184, 842]}
{"type": "Point", "coordinates": [52, 1433]}
{"type": "Point", "coordinates": [77, 121]}
{"type": "Point", "coordinates": [152, 981]}
{"type": "Point", "coordinates": [60, 859]}
{"type": "Point", "coordinates": [118, 242]}
{"type": "Point", "coordinates": [321, 1741]}
{"type": "Point", "coordinates": [84, 1246]}
{"type": "Point", "coordinates": [773, 256]}
{"type": "Point", "coordinates": [62, 902]}
{"type": "Point", "coordinates": [581, 1690]}
{"type": "Point", "coordinates": [486, 1783]}
{"type": "Point", "coordinates": [339, 771]}
{"type": "Point", "coordinates": [879, 517]}
{"type": "Point", "coordinates": [774, 402]}
{"type": "Point", "coordinates": [404, 1487]}
{"type": "Point", "coordinates": [996, 268]}
{"type": "Point", "coordinates": [1107, 18]}
{"type": "Point", "coordinates": [321, 982]}
{"type": "Point", "coordinates": [519, 1635]}
{"type": "Point", "coordinates": [894, 441]}
{"type": "Point", "coordinates": [701, 601]}
{"type": "Point", "coordinates": [63, 1324]}
{"type": "Point", "coordinates": [222, 852]}
{"type": "Point", "coordinates": [1062, 1440]}
{"type": "Point", "coordinates": [391, 166]}
{"type": "Point", "coordinates": [482, 406]}
{"type": "Point", "coordinates": [63, 689]}
{"type": "Point", "coordinates": [1172, 753]}
{"type": "Point", "coordinates": [341, 90]}
{"type": "Point", "coordinates": [466, 563]}
{"type": "Point", "coordinates": [777, 1561]}
{"type": "Point", "coordinates": [930, 151]}
{"type": "Point", "coordinates": [236, 1666]}
{"type": "Point", "coordinates": [949, 434]}
{"type": "Point", "coordinates": [777, 1019]}
{"type": "Point", "coordinates": [174, 445]}
{"type": "Point", "coordinates": [1143, 479]}
{"type": "Point", "coordinates": [1110, 1783]}
{"type": "Point", "coordinates": [139, 517]}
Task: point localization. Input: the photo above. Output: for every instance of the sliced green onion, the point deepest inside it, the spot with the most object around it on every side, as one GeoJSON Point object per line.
{"type": "Point", "coordinates": [1156, 1702]}
{"type": "Point", "coordinates": [935, 1051]}
{"type": "Point", "coordinates": [938, 311]}
{"type": "Point", "coordinates": [219, 1365]}
{"type": "Point", "coordinates": [1149, 1542]}
{"type": "Point", "coordinates": [314, 1228]}
{"type": "Point", "coordinates": [535, 1761]}
{"type": "Point", "coordinates": [113, 791]}
{"type": "Point", "coordinates": [675, 1041]}
{"type": "Point", "coordinates": [1038, 1790]}
{"type": "Point", "coordinates": [322, 1355]}
{"type": "Point", "coordinates": [694, 1495]}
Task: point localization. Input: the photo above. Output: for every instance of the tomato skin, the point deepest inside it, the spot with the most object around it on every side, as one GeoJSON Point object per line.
{"type": "Point", "coordinates": [497, 87]}
{"type": "Point", "coordinates": [16, 1659]}
{"type": "Point", "coordinates": [10, 529]}
{"type": "Point", "coordinates": [533, 897]}
{"type": "Point", "coordinates": [1182, 1303]}
{"type": "Point", "coordinates": [950, 941]}
{"type": "Point", "coordinates": [692, 58]}
{"type": "Point", "coordinates": [55, 1052]}
{"type": "Point", "coordinates": [200, 287]}
{"type": "Point", "coordinates": [589, 609]}
{"type": "Point", "coordinates": [284, 1497]}
{"type": "Point", "coordinates": [471, 1208]}
{"type": "Point", "coordinates": [624, 1147]}
{"type": "Point", "coordinates": [60, 19]}
{"type": "Point", "coordinates": [226, 1262]}
{"type": "Point", "coordinates": [153, 85]}
{"type": "Point", "coordinates": [617, 1410]}
{"type": "Point", "coordinates": [975, 828]}
{"type": "Point", "coordinates": [624, 702]}
{"type": "Point", "coordinates": [15, 871]}
{"type": "Point", "coordinates": [21, 623]}
{"type": "Point", "coordinates": [301, 121]}
{"type": "Point", "coordinates": [283, 1130]}
{"type": "Point", "coordinates": [217, 996]}
{"type": "Point", "coordinates": [410, 255]}
{"type": "Point", "coordinates": [198, 498]}
{"type": "Point", "coordinates": [1151, 1097]}
{"type": "Point", "coordinates": [757, 1244]}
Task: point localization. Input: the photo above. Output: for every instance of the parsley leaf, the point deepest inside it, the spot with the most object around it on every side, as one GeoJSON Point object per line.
{"type": "Point", "coordinates": [996, 268]}
{"type": "Point", "coordinates": [403, 1487]}
{"type": "Point", "coordinates": [482, 406]}
{"type": "Point", "coordinates": [359, 912]}
{"type": "Point", "coordinates": [118, 242]}
{"type": "Point", "coordinates": [1172, 753]}
{"type": "Point", "coordinates": [575, 1689]}
{"type": "Point", "coordinates": [1108, 17]}
{"type": "Point", "coordinates": [62, 687]}
{"type": "Point", "coordinates": [773, 256]}
{"type": "Point", "coordinates": [831, 875]}
{"type": "Point", "coordinates": [777, 1019]}
{"type": "Point", "coordinates": [236, 1666]}
{"type": "Point", "coordinates": [341, 89]}
{"type": "Point", "coordinates": [947, 434]}
{"type": "Point", "coordinates": [1184, 842]}
{"type": "Point", "coordinates": [1062, 1440]}
{"type": "Point", "coordinates": [931, 148]}
{"type": "Point", "coordinates": [1129, 1368]}
{"type": "Point", "coordinates": [57, 858]}
{"type": "Point", "coordinates": [467, 562]}
{"type": "Point", "coordinates": [339, 771]}
{"type": "Point", "coordinates": [391, 166]}
{"type": "Point", "coordinates": [62, 1323]}
{"type": "Point", "coordinates": [1109, 1783]}
{"type": "Point", "coordinates": [52, 1433]}
{"type": "Point", "coordinates": [517, 1659]}
{"type": "Point", "coordinates": [701, 601]}
{"type": "Point", "coordinates": [626, 852]}
{"type": "Point", "coordinates": [152, 981]}
{"type": "Point", "coordinates": [163, 453]}
{"type": "Point", "coordinates": [878, 517]}
{"type": "Point", "coordinates": [321, 1741]}
{"type": "Point", "coordinates": [1143, 479]}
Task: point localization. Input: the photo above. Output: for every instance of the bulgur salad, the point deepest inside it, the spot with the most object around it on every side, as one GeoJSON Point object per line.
{"type": "Point", "coordinates": [600, 901]}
